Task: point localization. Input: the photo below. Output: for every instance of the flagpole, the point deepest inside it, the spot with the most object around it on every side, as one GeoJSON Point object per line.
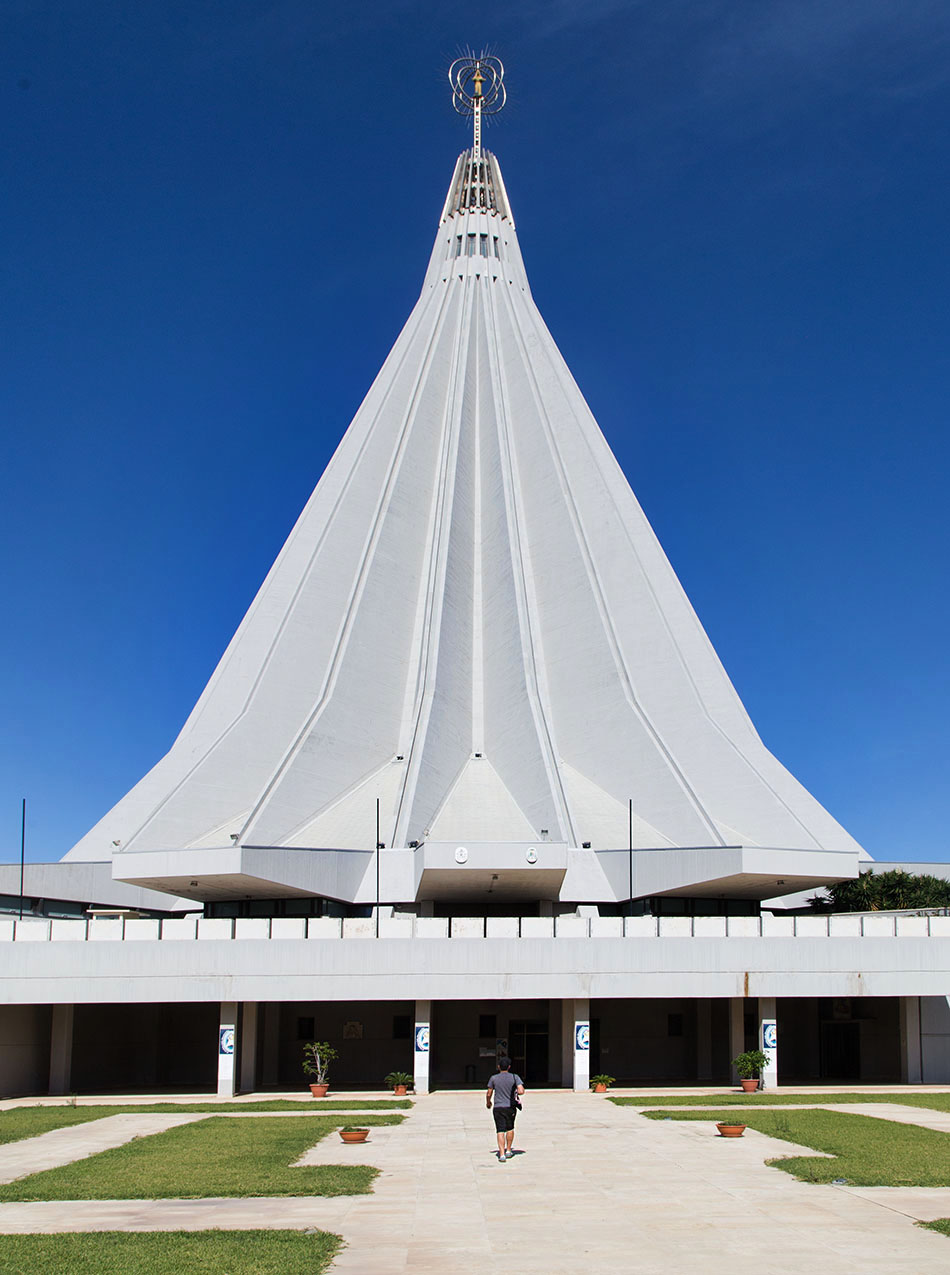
{"type": "Point", "coordinates": [22, 852]}
{"type": "Point", "coordinates": [377, 867]}
{"type": "Point", "coordinates": [630, 853]}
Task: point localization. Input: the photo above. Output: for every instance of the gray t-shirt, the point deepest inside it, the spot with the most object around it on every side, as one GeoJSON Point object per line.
{"type": "Point", "coordinates": [505, 1085]}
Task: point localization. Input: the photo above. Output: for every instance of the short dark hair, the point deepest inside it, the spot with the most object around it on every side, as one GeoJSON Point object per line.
{"type": "Point", "coordinates": [504, 1063]}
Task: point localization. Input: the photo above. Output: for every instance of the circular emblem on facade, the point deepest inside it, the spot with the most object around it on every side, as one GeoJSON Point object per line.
{"type": "Point", "coordinates": [226, 1041]}
{"type": "Point", "coordinates": [531, 854]}
{"type": "Point", "coordinates": [422, 1038]}
{"type": "Point", "coordinates": [770, 1036]}
{"type": "Point", "coordinates": [582, 1037]}
{"type": "Point", "coordinates": [461, 855]}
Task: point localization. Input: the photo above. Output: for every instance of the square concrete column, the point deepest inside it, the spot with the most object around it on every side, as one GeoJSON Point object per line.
{"type": "Point", "coordinates": [581, 1045]}
{"type": "Point", "coordinates": [420, 1046]}
{"type": "Point", "coordinates": [736, 1032]}
{"type": "Point", "coordinates": [768, 1041]}
{"type": "Point", "coordinates": [61, 1049]}
{"type": "Point", "coordinates": [911, 1054]}
{"type": "Point", "coordinates": [227, 1043]}
{"type": "Point", "coordinates": [249, 1019]}
{"type": "Point", "coordinates": [271, 1016]}
{"type": "Point", "coordinates": [704, 1041]}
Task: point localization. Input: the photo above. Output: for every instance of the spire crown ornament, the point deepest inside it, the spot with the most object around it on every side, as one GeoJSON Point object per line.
{"type": "Point", "coordinates": [477, 89]}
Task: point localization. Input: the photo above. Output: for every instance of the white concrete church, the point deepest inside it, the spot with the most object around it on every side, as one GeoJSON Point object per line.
{"type": "Point", "coordinates": [469, 777]}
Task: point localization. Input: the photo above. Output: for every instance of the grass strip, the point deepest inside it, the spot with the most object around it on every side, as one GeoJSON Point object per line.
{"type": "Point", "coordinates": [868, 1150]}
{"type": "Point", "coordinates": [26, 1122]}
{"type": "Point", "coordinates": [213, 1157]}
{"type": "Point", "coordinates": [941, 1224]}
{"type": "Point", "coordinates": [158, 1252]}
{"type": "Point", "coordinates": [769, 1098]}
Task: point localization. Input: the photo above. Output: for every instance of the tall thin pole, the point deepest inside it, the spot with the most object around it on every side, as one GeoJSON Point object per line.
{"type": "Point", "coordinates": [377, 867]}
{"type": "Point", "coordinates": [630, 853]}
{"type": "Point", "coordinates": [22, 852]}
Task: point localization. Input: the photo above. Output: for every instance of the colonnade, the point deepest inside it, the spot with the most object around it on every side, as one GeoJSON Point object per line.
{"type": "Point", "coordinates": [249, 1043]}
{"type": "Point", "coordinates": [575, 1043]}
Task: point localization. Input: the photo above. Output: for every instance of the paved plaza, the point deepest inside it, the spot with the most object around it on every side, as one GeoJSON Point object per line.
{"type": "Point", "coordinates": [593, 1187]}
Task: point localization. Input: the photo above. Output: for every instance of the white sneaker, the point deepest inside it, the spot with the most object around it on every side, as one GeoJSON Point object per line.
{"type": "Point", "coordinates": [509, 1155]}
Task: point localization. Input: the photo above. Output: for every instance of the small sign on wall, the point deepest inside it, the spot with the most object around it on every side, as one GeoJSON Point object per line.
{"type": "Point", "coordinates": [353, 1030]}
{"type": "Point", "coordinates": [769, 1043]}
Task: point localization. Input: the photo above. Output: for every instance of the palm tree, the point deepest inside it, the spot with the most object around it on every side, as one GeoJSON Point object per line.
{"type": "Point", "coordinates": [884, 892]}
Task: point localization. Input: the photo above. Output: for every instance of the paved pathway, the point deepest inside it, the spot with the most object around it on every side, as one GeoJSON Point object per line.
{"type": "Point", "coordinates": [595, 1188]}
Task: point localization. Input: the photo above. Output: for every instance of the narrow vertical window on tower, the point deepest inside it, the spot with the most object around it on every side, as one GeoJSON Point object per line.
{"type": "Point", "coordinates": [483, 245]}
{"type": "Point", "coordinates": [470, 246]}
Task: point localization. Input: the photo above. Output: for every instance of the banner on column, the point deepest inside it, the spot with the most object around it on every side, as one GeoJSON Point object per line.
{"type": "Point", "coordinates": [582, 1037]}
{"type": "Point", "coordinates": [226, 1040]}
{"type": "Point", "coordinates": [769, 1042]}
{"type": "Point", "coordinates": [422, 1038]}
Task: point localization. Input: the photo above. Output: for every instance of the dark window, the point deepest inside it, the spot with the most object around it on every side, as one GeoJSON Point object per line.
{"type": "Point", "coordinates": [674, 1024]}
{"type": "Point", "coordinates": [488, 1026]}
{"type": "Point", "coordinates": [305, 1029]}
{"type": "Point", "coordinates": [402, 1027]}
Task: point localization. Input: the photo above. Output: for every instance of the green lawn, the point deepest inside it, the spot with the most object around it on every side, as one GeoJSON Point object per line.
{"type": "Point", "coordinates": [771, 1098]}
{"type": "Point", "coordinates": [27, 1122]}
{"type": "Point", "coordinates": [213, 1157]}
{"type": "Point", "coordinates": [941, 1224]}
{"type": "Point", "coordinates": [869, 1151]}
{"type": "Point", "coordinates": [158, 1252]}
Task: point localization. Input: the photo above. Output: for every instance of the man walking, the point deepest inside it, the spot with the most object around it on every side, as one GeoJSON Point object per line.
{"type": "Point", "coordinates": [505, 1088]}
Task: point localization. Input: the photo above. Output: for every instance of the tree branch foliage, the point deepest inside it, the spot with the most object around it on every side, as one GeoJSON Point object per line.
{"type": "Point", "coordinates": [884, 892]}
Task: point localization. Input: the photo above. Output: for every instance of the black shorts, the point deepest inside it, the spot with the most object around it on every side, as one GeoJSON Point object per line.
{"type": "Point", "coordinates": [504, 1118]}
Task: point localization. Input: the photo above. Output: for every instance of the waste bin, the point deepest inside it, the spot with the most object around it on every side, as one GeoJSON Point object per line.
{"type": "Point", "coordinates": [470, 1074]}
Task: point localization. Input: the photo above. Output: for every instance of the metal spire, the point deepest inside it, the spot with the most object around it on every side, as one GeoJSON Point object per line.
{"type": "Point", "coordinates": [477, 89]}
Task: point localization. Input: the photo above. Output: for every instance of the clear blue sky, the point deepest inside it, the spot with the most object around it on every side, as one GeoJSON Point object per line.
{"type": "Point", "coordinates": [214, 219]}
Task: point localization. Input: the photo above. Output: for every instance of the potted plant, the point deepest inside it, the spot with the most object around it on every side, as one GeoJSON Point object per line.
{"type": "Point", "coordinates": [601, 1083]}
{"type": "Point", "coordinates": [350, 1133]}
{"type": "Point", "coordinates": [730, 1129]}
{"type": "Point", "coordinates": [398, 1082]}
{"type": "Point", "coordinates": [750, 1064]}
{"type": "Point", "coordinates": [317, 1056]}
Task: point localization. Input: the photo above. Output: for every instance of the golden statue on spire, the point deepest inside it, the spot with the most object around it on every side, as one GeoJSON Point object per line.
{"type": "Point", "coordinates": [477, 89]}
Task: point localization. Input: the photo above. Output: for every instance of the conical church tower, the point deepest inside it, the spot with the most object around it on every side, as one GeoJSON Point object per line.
{"type": "Point", "coordinates": [471, 623]}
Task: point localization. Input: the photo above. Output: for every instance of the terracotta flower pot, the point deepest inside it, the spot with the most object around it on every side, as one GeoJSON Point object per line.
{"type": "Point", "coordinates": [730, 1130]}
{"type": "Point", "coordinates": [600, 1088]}
{"type": "Point", "coordinates": [399, 1091]}
{"type": "Point", "coordinates": [319, 1091]}
{"type": "Point", "coordinates": [749, 1084]}
{"type": "Point", "coordinates": [354, 1135]}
